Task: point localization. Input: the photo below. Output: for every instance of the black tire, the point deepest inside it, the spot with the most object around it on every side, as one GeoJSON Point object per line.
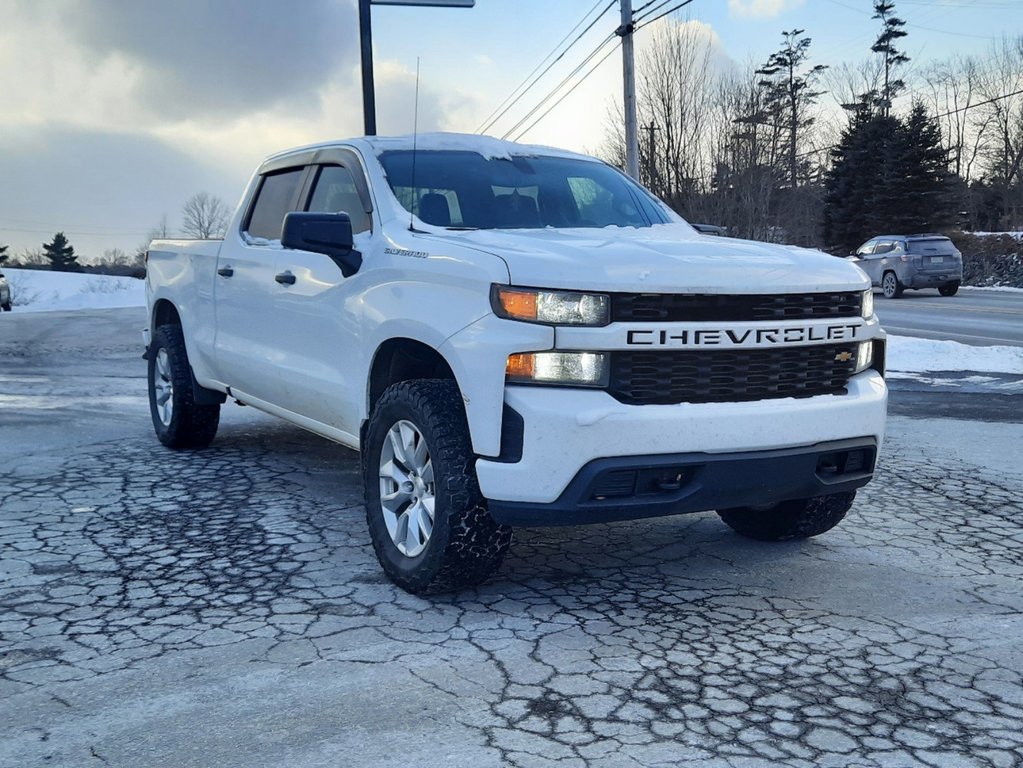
{"type": "Point", "coordinates": [798, 519]}
{"type": "Point", "coordinates": [891, 286]}
{"type": "Point", "coordinates": [466, 546]}
{"type": "Point", "coordinates": [6, 307]}
{"type": "Point", "coordinates": [188, 425]}
{"type": "Point", "coordinates": [949, 289]}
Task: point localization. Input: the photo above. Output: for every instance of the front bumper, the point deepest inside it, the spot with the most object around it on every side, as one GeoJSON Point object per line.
{"type": "Point", "coordinates": [563, 430]}
{"type": "Point", "coordinates": [624, 488]}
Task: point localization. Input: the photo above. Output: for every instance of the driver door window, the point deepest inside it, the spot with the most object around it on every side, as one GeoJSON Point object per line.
{"type": "Point", "coordinates": [335, 192]}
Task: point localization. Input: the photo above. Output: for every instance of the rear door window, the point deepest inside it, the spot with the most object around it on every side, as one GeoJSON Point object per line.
{"type": "Point", "coordinates": [278, 194]}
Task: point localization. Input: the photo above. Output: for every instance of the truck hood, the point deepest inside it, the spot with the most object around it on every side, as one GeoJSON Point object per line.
{"type": "Point", "coordinates": [666, 258]}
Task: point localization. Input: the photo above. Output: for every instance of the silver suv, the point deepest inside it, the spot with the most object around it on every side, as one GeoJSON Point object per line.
{"type": "Point", "coordinates": [897, 262]}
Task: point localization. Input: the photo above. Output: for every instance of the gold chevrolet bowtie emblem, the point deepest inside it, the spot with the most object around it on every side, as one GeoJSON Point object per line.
{"type": "Point", "coordinates": [843, 357]}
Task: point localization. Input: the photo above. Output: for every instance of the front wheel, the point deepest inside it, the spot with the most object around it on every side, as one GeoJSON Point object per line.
{"type": "Point", "coordinates": [891, 285]}
{"type": "Point", "coordinates": [179, 422]}
{"type": "Point", "coordinates": [427, 519]}
{"type": "Point", "coordinates": [797, 519]}
{"type": "Point", "coordinates": [949, 289]}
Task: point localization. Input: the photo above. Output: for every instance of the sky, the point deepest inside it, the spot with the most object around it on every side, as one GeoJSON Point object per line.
{"type": "Point", "coordinates": [114, 112]}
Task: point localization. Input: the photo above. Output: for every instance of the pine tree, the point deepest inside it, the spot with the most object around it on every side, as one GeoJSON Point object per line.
{"type": "Point", "coordinates": [3, 253]}
{"type": "Point", "coordinates": [891, 31]}
{"type": "Point", "coordinates": [788, 90]}
{"type": "Point", "coordinates": [61, 254]}
{"type": "Point", "coordinates": [924, 184]}
{"type": "Point", "coordinates": [887, 176]}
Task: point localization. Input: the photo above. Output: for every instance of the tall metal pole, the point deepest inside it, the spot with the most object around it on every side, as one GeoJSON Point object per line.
{"type": "Point", "coordinates": [369, 100]}
{"type": "Point", "coordinates": [629, 75]}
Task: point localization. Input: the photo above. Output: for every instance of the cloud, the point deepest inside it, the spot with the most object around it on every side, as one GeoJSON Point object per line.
{"type": "Point", "coordinates": [199, 57]}
{"type": "Point", "coordinates": [761, 9]}
{"type": "Point", "coordinates": [103, 189]}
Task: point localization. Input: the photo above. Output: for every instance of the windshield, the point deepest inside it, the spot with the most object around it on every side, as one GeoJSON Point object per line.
{"type": "Point", "coordinates": [464, 190]}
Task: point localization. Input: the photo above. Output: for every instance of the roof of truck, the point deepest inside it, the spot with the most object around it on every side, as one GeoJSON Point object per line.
{"type": "Point", "coordinates": [488, 146]}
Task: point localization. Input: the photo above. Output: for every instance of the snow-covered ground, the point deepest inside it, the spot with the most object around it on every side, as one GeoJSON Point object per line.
{"type": "Point", "coordinates": [44, 291]}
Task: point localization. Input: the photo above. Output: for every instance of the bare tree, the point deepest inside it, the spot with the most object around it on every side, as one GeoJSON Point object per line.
{"type": "Point", "coordinates": [1004, 153]}
{"type": "Point", "coordinates": [204, 217]}
{"type": "Point", "coordinates": [160, 232]}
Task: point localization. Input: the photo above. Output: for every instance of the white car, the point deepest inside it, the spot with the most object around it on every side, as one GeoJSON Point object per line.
{"type": "Point", "coordinates": [517, 335]}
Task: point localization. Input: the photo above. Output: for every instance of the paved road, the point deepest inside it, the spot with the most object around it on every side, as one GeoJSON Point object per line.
{"type": "Point", "coordinates": [970, 317]}
{"type": "Point", "coordinates": [224, 608]}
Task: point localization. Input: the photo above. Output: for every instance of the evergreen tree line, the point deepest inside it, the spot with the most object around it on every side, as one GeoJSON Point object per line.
{"type": "Point", "coordinates": [759, 153]}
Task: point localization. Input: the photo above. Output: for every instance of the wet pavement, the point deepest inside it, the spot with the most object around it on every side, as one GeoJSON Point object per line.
{"type": "Point", "coordinates": [224, 607]}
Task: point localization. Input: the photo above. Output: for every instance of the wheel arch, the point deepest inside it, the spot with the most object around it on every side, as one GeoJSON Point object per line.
{"type": "Point", "coordinates": [403, 359]}
{"type": "Point", "coordinates": [164, 313]}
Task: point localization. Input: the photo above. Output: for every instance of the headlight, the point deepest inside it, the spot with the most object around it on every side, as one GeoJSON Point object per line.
{"type": "Point", "coordinates": [534, 305]}
{"type": "Point", "coordinates": [864, 356]}
{"type": "Point", "coordinates": [867, 306]}
{"type": "Point", "coordinates": [582, 369]}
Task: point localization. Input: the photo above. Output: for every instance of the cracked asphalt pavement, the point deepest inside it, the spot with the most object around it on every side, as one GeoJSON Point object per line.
{"type": "Point", "coordinates": [224, 607]}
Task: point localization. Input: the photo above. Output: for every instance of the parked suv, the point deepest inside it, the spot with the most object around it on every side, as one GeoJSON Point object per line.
{"type": "Point", "coordinates": [5, 294]}
{"type": "Point", "coordinates": [897, 262]}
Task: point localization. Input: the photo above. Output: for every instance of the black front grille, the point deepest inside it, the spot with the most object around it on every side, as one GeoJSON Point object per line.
{"type": "Point", "coordinates": [721, 376]}
{"type": "Point", "coordinates": [677, 307]}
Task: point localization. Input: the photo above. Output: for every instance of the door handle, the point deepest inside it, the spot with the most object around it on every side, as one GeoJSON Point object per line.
{"type": "Point", "coordinates": [225, 271]}
{"type": "Point", "coordinates": [285, 278]}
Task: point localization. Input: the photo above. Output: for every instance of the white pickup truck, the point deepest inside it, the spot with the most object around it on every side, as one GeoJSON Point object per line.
{"type": "Point", "coordinates": [519, 336]}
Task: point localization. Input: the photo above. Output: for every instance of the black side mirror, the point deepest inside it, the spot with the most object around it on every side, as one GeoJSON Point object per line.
{"type": "Point", "coordinates": [326, 233]}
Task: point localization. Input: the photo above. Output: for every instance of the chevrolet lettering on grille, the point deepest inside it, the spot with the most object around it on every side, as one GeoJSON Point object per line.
{"type": "Point", "coordinates": [741, 337]}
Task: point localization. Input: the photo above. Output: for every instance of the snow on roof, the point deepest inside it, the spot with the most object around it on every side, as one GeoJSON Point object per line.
{"type": "Point", "coordinates": [487, 146]}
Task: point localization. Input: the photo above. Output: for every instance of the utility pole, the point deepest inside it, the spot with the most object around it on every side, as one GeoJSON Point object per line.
{"type": "Point", "coordinates": [369, 100]}
{"type": "Point", "coordinates": [651, 167]}
{"type": "Point", "coordinates": [629, 74]}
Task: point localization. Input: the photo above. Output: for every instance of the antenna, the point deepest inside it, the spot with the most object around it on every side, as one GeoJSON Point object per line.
{"type": "Point", "coordinates": [415, 137]}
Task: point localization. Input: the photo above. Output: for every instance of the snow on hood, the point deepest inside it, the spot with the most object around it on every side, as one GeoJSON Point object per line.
{"type": "Point", "coordinates": [666, 258]}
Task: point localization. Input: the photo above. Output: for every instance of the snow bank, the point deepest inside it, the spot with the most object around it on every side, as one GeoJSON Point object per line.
{"type": "Point", "coordinates": [44, 291]}
{"type": "Point", "coordinates": [911, 355]}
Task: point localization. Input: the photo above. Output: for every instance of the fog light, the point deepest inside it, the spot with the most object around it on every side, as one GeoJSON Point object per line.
{"type": "Point", "coordinates": [864, 356]}
{"type": "Point", "coordinates": [586, 369]}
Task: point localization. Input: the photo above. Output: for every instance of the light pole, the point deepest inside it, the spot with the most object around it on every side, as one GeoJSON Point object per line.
{"type": "Point", "coordinates": [369, 101]}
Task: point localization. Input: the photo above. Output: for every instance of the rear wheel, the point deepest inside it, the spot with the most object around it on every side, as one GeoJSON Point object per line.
{"type": "Point", "coordinates": [427, 519]}
{"type": "Point", "coordinates": [949, 289]}
{"type": "Point", "coordinates": [891, 285]}
{"type": "Point", "coordinates": [179, 422]}
{"type": "Point", "coordinates": [797, 519]}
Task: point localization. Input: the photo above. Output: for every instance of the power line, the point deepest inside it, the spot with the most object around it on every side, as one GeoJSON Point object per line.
{"type": "Point", "coordinates": [560, 85]}
{"type": "Point", "coordinates": [565, 94]}
{"type": "Point", "coordinates": [639, 16]}
{"type": "Point", "coordinates": [579, 82]}
{"type": "Point", "coordinates": [670, 10]}
{"type": "Point", "coordinates": [510, 102]}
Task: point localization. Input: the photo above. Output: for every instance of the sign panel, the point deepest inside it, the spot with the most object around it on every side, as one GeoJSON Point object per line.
{"type": "Point", "coordinates": [435, 3]}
